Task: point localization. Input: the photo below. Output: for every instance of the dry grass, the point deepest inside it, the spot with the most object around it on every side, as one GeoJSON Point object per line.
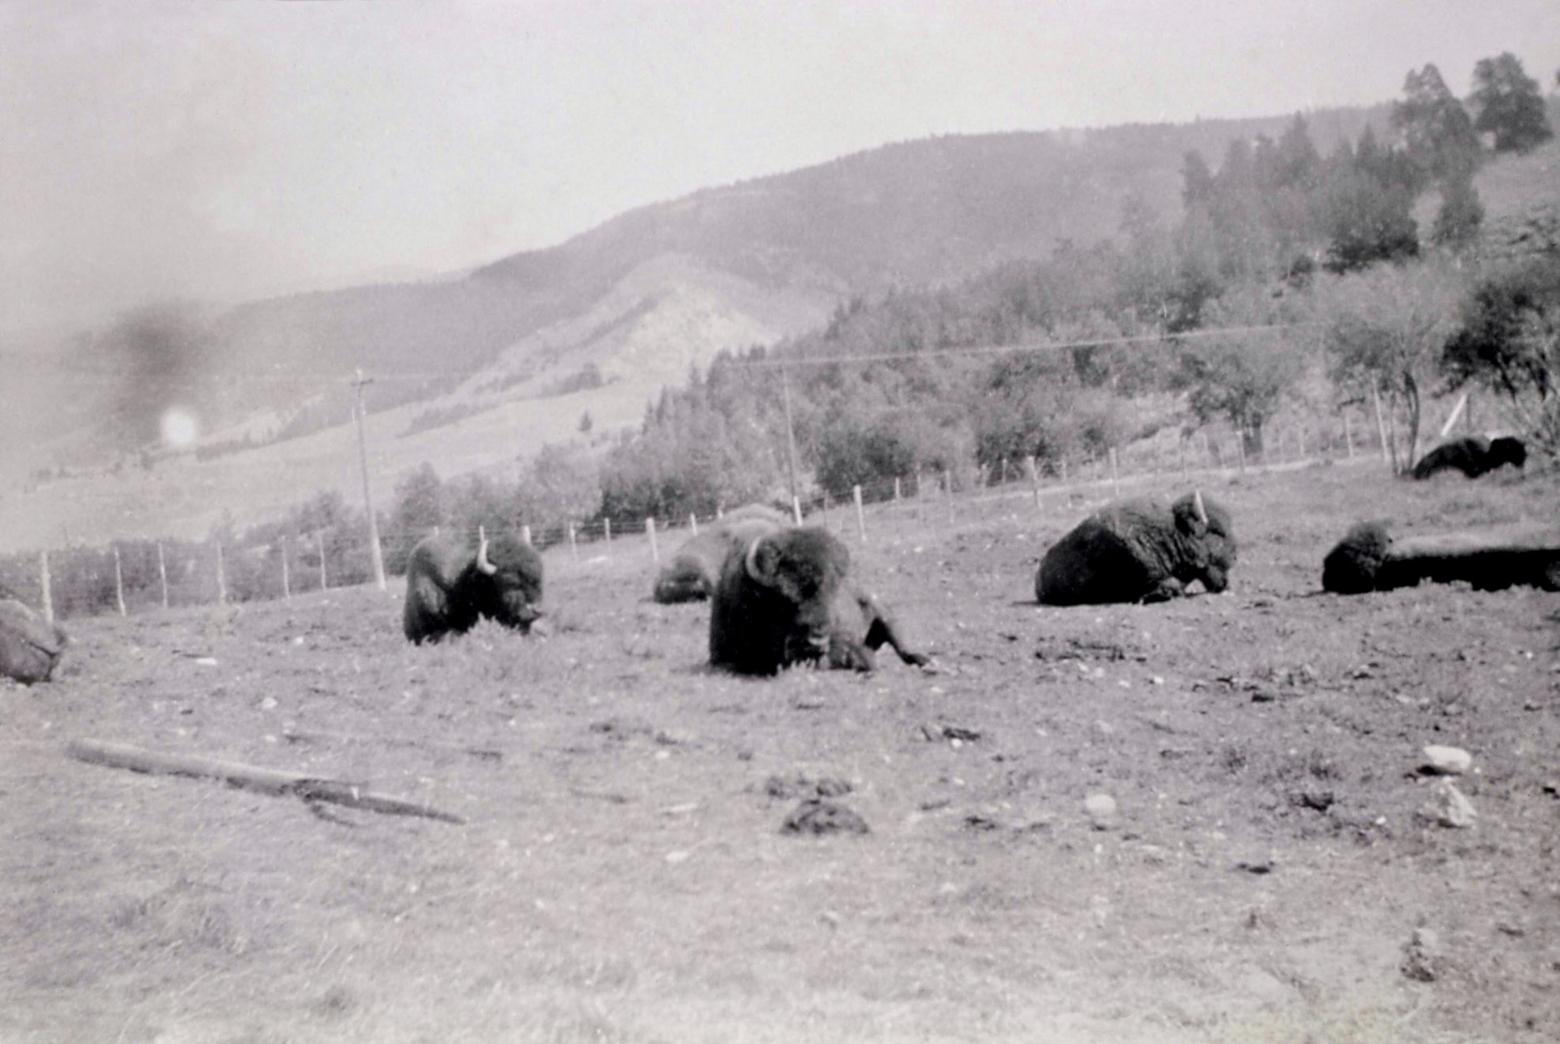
{"type": "Point", "coordinates": [623, 876]}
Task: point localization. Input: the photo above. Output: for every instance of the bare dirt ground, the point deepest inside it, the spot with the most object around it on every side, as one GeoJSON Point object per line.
{"type": "Point", "coordinates": [623, 875]}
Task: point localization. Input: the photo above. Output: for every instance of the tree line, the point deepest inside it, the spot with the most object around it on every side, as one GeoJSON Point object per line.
{"type": "Point", "coordinates": [1346, 302]}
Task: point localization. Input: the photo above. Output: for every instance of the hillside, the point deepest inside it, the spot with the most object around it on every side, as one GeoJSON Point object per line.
{"type": "Point", "coordinates": [640, 298]}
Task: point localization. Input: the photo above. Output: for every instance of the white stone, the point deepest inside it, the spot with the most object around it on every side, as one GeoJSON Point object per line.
{"type": "Point", "coordinates": [1102, 811]}
{"type": "Point", "coordinates": [1447, 761]}
{"type": "Point", "coordinates": [1449, 806]}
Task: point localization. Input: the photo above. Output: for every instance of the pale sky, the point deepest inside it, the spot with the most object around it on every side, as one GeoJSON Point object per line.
{"type": "Point", "coordinates": [229, 151]}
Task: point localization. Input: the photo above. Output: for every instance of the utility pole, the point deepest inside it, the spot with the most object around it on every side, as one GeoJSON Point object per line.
{"type": "Point", "coordinates": [368, 502]}
{"type": "Point", "coordinates": [790, 433]}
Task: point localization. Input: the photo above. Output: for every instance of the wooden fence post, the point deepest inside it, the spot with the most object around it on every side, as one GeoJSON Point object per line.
{"type": "Point", "coordinates": [1348, 434]}
{"type": "Point", "coordinates": [286, 578]}
{"type": "Point", "coordinates": [162, 573]}
{"type": "Point", "coordinates": [606, 528]}
{"type": "Point", "coordinates": [221, 577]}
{"type": "Point", "coordinates": [574, 547]}
{"type": "Point", "coordinates": [119, 582]}
{"type": "Point", "coordinates": [693, 523]}
{"type": "Point", "coordinates": [1034, 478]}
{"type": "Point", "coordinates": [861, 518]}
{"type": "Point", "coordinates": [48, 590]}
{"type": "Point", "coordinates": [796, 509]}
{"type": "Point", "coordinates": [896, 488]}
{"type": "Point", "coordinates": [655, 552]}
{"type": "Point", "coordinates": [324, 586]}
{"type": "Point", "coordinates": [1381, 423]}
{"type": "Point", "coordinates": [525, 535]}
{"type": "Point", "coordinates": [1180, 449]}
{"type": "Point", "coordinates": [1115, 477]}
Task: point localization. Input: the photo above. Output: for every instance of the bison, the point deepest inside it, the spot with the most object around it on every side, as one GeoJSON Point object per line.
{"type": "Point", "coordinates": [1369, 559]}
{"type": "Point", "coordinates": [1139, 551]}
{"type": "Point", "coordinates": [786, 598]}
{"type": "Point", "coordinates": [695, 569]}
{"type": "Point", "coordinates": [448, 586]}
{"type": "Point", "coordinates": [30, 646]}
{"type": "Point", "coordinates": [1473, 455]}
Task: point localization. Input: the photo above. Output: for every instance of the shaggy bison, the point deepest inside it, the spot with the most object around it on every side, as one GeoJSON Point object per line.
{"type": "Point", "coordinates": [1473, 455]}
{"type": "Point", "coordinates": [695, 569]}
{"type": "Point", "coordinates": [1369, 559]}
{"type": "Point", "coordinates": [30, 646]}
{"type": "Point", "coordinates": [787, 597]}
{"type": "Point", "coordinates": [448, 586]}
{"type": "Point", "coordinates": [1139, 551]}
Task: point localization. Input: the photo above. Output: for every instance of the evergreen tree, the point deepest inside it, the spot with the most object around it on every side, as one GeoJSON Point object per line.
{"type": "Point", "coordinates": [1460, 215]}
{"type": "Point", "coordinates": [1509, 104]}
{"type": "Point", "coordinates": [1437, 132]}
{"type": "Point", "coordinates": [1197, 185]}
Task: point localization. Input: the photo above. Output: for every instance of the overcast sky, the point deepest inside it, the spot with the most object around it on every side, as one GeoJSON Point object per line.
{"type": "Point", "coordinates": [227, 151]}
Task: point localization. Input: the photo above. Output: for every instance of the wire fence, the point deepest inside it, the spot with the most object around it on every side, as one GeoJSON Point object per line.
{"type": "Point", "coordinates": [144, 575]}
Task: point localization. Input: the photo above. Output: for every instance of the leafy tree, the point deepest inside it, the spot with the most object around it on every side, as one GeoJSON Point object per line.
{"type": "Point", "coordinates": [1384, 329]}
{"type": "Point", "coordinates": [1366, 219]}
{"type": "Point", "coordinates": [1509, 104]}
{"type": "Point", "coordinates": [559, 484]}
{"type": "Point", "coordinates": [1244, 381]}
{"type": "Point", "coordinates": [1508, 339]}
{"type": "Point", "coordinates": [1440, 137]}
{"type": "Point", "coordinates": [419, 508]}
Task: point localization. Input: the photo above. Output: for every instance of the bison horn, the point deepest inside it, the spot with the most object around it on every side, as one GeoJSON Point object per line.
{"type": "Point", "coordinates": [751, 562]}
{"type": "Point", "coordinates": [1197, 504]}
{"type": "Point", "coordinates": [483, 563]}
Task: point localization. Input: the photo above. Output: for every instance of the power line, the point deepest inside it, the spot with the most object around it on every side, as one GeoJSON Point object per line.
{"type": "Point", "coordinates": [998, 349]}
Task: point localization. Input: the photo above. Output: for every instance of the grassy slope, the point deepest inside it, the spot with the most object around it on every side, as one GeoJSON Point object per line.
{"type": "Point", "coordinates": [623, 878]}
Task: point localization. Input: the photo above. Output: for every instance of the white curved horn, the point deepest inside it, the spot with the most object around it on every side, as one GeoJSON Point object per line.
{"type": "Point", "coordinates": [751, 562]}
{"type": "Point", "coordinates": [483, 563]}
{"type": "Point", "coordinates": [1197, 503]}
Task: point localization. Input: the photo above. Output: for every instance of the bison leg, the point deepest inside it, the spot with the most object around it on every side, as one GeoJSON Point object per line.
{"type": "Point", "coordinates": [882, 631]}
{"type": "Point", "coordinates": [847, 655]}
{"type": "Point", "coordinates": [1165, 590]}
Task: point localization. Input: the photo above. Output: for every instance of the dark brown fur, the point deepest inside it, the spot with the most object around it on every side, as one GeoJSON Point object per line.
{"type": "Point", "coordinates": [1369, 559]}
{"type": "Point", "coordinates": [1473, 455]}
{"type": "Point", "coordinates": [1138, 551]}
{"type": "Point", "coordinates": [799, 604]}
{"type": "Point", "coordinates": [446, 593]}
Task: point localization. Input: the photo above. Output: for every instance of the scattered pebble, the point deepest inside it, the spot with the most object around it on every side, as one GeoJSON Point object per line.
{"type": "Point", "coordinates": [821, 816]}
{"type": "Point", "coordinates": [1447, 761]}
{"type": "Point", "coordinates": [1421, 955]}
{"type": "Point", "coordinates": [1102, 810]}
{"type": "Point", "coordinates": [1449, 807]}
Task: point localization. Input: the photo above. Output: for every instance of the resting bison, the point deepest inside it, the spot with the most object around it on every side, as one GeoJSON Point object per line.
{"type": "Point", "coordinates": [1139, 551]}
{"type": "Point", "coordinates": [786, 598]}
{"type": "Point", "coordinates": [448, 586]}
{"type": "Point", "coordinates": [1473, 455]}
{"type": "Point", "coordinates": [695, 569]}
{"type": "Point", "coordinates": [1368, 559]}
{"type": "Point", "coordinates": [30, 646]}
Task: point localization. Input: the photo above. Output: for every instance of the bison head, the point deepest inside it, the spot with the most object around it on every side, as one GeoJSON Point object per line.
{"type": "Point", "coordinates": [802, 572]}
{"type": "Point", "coordinates": [1507, 450]}
{"type": "Point", "coordinates": [1207, 541]}
{"type": "Point", "coordinates": [508, 580]}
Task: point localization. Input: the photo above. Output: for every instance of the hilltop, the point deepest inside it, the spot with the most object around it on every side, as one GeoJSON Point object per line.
{"type": "Point", "coordinates": [474, 371]}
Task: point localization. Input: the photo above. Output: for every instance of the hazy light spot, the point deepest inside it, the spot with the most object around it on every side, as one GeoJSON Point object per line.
{"type": "Point", "coordinates": [179, 428]}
